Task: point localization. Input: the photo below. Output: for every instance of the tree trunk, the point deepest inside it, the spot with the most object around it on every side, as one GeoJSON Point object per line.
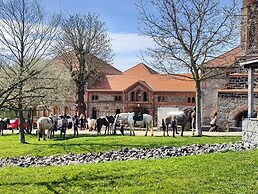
{"type": "Point", "coordinates": [29, 121]}
{"type": "Point", "coordinates": [81, 103]}
{"type": "Point", "coordinates": [21, 130]}
{"type": "Point", "coordinates": [198, 108]}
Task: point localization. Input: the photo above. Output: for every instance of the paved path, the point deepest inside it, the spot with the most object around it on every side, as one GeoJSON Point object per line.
{"type": "Point", "coordinates": [142, 133]}
{"type": "Point", "coordinates": [160, 133]}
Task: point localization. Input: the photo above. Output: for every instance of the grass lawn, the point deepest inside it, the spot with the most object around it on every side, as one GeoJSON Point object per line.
{"type": "Point", "coordinates": [231, 172]}
{"type": "Point", "coordinates": [10, 146]}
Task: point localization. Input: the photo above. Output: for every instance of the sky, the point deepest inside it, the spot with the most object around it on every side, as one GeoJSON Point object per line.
{"type": "Point", "coordinates": [121, 18]}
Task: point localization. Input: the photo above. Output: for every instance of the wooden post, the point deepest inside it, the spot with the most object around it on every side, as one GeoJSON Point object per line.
{"type": "Point", "coordinates": [250, 92]}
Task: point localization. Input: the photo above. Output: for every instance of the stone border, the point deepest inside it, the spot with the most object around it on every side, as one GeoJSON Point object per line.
{"type": "Point", "coordinates": [125, 154]}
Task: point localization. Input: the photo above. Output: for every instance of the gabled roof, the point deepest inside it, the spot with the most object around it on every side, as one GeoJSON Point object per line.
{"type": "Point", "coordinates": [225, 60]}
{"type": "Point", "coordinates": [140, 69]}
{"type": "Point", "coordinates": [139, 73]}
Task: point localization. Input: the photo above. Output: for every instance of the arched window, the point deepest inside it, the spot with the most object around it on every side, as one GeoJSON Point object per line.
{"type": "Point", "coordinates": [189, 100]}
{"type": "Point", "coordinates": [118, 111]}
{"type": "Point", "coordinates": [94, 97]}
{"type": "Point", "coordinates": [132, 96]}
{"type": "Point", "coordinates": [55, 110]}
{"type": "Point", "coordinates": [193, 99]}
{"type": "Point", "coordinates": [145, 96]}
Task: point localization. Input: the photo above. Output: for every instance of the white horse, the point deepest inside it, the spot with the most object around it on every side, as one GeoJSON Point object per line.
{"type": "Point", "coordinates": [46, 123]}
{"type": "Point", "coordinates": [91, 124]}
{"type": "Point", "coordinates": [128, 117]}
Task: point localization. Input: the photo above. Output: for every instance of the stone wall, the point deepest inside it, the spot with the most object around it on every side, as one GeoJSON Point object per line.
{"type": "Point", "coordinates": [230, 106]}
{"type": "Point", "coordinates": [210, 104]}
{"type": "Point", "coordinates": [250, 131]}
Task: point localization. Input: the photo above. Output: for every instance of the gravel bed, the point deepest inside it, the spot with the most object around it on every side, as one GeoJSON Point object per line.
{"type": "Point", "coordinates": [124, 154]}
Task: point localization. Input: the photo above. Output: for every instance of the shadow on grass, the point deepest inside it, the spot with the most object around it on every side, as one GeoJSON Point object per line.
{"type": "Point", "coordinates": [82, 180]}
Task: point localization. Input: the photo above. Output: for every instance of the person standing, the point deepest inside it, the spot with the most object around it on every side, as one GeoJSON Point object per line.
{"type": "Point", "coordinates": [64, 126]}
{"type": "Point", "coordinates": [213, 123]}
{"type": "Point", "coordinates": [75, 126]}
{"type": "Point", "coordinates": [82, 118]}
{"type": "Point", "coordinates": [174, 125]}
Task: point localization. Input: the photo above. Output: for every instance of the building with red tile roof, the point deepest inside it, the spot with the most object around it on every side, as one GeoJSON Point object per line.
{"type": "Point", "coordinates": [139, 88]}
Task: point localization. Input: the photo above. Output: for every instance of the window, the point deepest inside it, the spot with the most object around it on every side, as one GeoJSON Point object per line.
{"type": "Point", "coordinates": [132, 96]}
{"type": "Point", "coordinates": [193, 99]}
{"type": "Point", "coordinates": [189, 100]}
{"type": "Point", "coordinates": [145, 96]}
{"type": "Point", "coordinates": [161, 98]}
{"type": "Point", "coordinates": [118, 98]}
{"type": "Point", "coordinates": [94, 97]}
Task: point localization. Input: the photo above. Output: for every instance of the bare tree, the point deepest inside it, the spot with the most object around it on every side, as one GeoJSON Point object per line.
{"type": "Point", "coordinates": [187, 34]}
{"type": "Point", "coordinates": [26, 36]}
{"type": "Point", "coordinates": [84, 45]}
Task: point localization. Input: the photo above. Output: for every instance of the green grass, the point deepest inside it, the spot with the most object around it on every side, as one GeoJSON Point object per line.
{"type": "Point", "coordinates": [10, 146]}
{"type": "Point", "coordinates": [217, 173]}
{"type": "Point", "coordinates": [231, 172]}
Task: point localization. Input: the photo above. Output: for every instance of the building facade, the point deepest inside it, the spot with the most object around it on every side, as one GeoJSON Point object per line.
{"type": "Point", "coordinates": [139, 89]}
{"type": "Point", "coordinates": [227, 93]}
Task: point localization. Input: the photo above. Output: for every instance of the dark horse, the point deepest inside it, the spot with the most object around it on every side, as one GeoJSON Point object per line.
{"type": "Point", "coordinates": [182, 120]}
{"type": "Point", "coordinates": [3, 125]}
{"type": "Point", "coordinates": [106, 121]}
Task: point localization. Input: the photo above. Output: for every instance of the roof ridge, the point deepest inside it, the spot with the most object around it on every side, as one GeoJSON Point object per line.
{"type": "Point", "coordinates": [147, 69]}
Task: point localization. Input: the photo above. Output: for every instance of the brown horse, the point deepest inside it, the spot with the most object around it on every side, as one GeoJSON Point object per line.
{"type": "Point", "coordinates": [3, 125]}
{"type": "Point", "coordinates": [105, 121]}
{"type": "Point", "coordinates": [46, 123]}
{"type": "Point", "coordinates": [183, 120]}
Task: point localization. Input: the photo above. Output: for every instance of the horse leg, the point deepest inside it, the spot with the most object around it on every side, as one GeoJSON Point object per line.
{"type": "Point", "coordinates": [49, 134]}
{"type": "Point", "coordinates": [43, 135]}
{"type": "Point", "coordinates": [147, 128]}
{"type": "Point", "coordinates": [193, 131]}
{"type": "Point", "coordinates": [53, 133]}
{"type": "Point", "coordinates": [182, 130]}
{"type": "Point", "coordinates": [130, 126]}
{"type": "Point", "coordinates": [38, 134]}
{"type": "Point", "coordinates": [107, 130]}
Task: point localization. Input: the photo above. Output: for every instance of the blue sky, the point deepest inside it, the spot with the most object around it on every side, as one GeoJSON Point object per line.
{"type": "Point", "coordinates": [121, 18]}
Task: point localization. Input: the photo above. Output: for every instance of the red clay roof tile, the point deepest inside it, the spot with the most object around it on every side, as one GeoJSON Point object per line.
{"type": "Point", "coordinates": [141, 72]}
